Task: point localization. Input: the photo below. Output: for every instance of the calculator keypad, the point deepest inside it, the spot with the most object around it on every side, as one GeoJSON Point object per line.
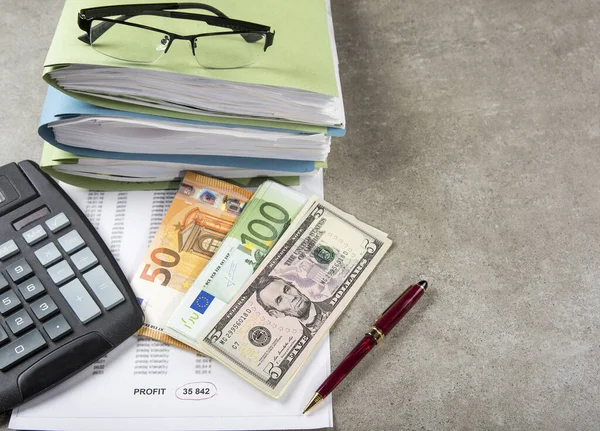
{"type": "Point", "coordinates": [21, 348]}
{"type": "Point", "coordinates": [84, 259]}
{"type": "Point", "coordinates": [104, 288]}
{"type": "Point", "coordinates": [9, 302]}
{"type": "Point", "coordinates": [19, 322]}
{"type": "Point", "coordinates": [57, 222]}
{"type": "Point", "coordinates": [61, 272]}
{"type": "Point", "coordinates": [8, 249]}
{"type": "Point", "coordinates": [31, 289]}
{"type": "Point", "coordinates": [71, 242]}
{"type": "Point", "coordinates": [35, 235]}
{"type": "Point", "coordinates": [48, 254]}
{"type": "Point", "coordinates": [27, 300]}
{"type": "Point", "coordinates": [43, 308]}
{"type": "Point", "coordinates": [57, 328]}
{"type": "Point", "coordinates": [19, 270]}
{"type": "Point", "coordinates": [80, 301]}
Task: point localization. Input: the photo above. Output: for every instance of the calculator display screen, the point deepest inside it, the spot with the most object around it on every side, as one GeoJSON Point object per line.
{"type": "Point", "coordinates": [8, 193]}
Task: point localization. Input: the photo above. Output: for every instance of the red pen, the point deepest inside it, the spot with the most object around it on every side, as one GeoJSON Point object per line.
{"type": "Point", "coordinates": [382, 326]}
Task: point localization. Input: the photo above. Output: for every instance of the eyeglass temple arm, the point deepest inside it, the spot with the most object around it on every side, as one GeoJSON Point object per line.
{"type": "Point", "coordinates": [248, 37]}
{"type": "Point", "coordinates": [99, 29]}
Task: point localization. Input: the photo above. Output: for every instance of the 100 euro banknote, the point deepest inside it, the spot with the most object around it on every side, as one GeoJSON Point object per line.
{"type": "Point", "coordinates": [268, 331]}
{"type": "Point", "coordinates": [266, 216]}
{"type": "Point", "coordinates": [200, 216]}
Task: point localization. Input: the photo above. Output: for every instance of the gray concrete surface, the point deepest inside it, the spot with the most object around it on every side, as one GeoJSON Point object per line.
{"type": "Point", "coordinates": [474, 141]}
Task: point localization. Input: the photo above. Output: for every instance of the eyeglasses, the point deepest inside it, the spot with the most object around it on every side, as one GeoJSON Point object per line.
{"type": "Point", "coordinates": [129, 33]}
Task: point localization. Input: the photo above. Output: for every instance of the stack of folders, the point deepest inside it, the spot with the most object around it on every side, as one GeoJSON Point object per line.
{"type": "Point", "coordinates": [137, 108]}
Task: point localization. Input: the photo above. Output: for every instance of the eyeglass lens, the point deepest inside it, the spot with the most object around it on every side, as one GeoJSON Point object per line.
{"type": "Point", "coordinates": [126, 42]}
{"type": "Point", "coordinates": [224, 51]}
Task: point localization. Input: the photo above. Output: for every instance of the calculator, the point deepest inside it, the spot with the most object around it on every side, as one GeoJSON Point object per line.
{"type": "Point", "coordinates": [64, 301]}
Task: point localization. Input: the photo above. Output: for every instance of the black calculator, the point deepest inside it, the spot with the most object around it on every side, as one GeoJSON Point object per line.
{"type": "Point", "coordinates": [64, 301]}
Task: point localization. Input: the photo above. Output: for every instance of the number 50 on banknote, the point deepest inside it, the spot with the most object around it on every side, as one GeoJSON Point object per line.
{"type": "Point", "coordinates": [268, 331]}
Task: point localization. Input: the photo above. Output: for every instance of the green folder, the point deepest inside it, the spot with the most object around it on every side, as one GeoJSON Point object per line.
{"type": "Point", "coordinates": [300, 58]}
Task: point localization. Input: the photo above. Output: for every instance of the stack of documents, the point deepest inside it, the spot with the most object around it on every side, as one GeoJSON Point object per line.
{"type": "Point", "coordinates": [112, 124]}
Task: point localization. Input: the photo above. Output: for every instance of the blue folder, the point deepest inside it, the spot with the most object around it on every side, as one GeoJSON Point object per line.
{"type": "Point", "coordinates": [59, 106]}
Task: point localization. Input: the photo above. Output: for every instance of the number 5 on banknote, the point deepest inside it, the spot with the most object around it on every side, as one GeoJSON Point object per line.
{"type": "Point", "coordinates": [267, 332]}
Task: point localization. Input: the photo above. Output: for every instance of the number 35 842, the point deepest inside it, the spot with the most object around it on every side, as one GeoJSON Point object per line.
{"type": "Point", "coordinates": [196, 391]}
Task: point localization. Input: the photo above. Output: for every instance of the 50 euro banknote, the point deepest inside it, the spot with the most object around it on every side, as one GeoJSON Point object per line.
{"type": "Point", "coordinates": [269, 330]}
{"type": "Point", "coordinates": [202, 213]}
{"type": "Point", "coordinates": [266, 216]}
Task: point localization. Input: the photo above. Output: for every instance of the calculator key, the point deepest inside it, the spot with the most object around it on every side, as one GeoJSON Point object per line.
{"type": "Point", "coordinates": [71, 242]}
{"type": "Point", "coordinates": [35, 234]}
{"type": "Point", "coordinates": [21, 349]}
{"type": "Point", "coordinates": [8, 249]}
{"type": "Point", "coordinates": [61, 272]}
{"type": "Point", "coordinates": [48, 254]}
{"type": "Point", "coordinates": [19, 270]}
{"type": "Point", "coordinates": [57, 327]}
{"type": "Point", "coordinates": [84, 259]}
{"type": "Point", "coordinates": [80, 301]}
{"type": "Point", "coordinates": [31, 289]}
{"type": "Point", "coordinates": [58, 222]}
{"type": "Point", "coordinates": [3, 283]}
{"type": "Point", "coordinates": [3, 336]}
{"type": "Point", "coordinates": [19, 322]}
{"type": "Point", "coordinates": [104, 288]}
{"type": "Point", "coordinates": [44, 308]}
{"type": "Point", "coordinates": [9, 302]}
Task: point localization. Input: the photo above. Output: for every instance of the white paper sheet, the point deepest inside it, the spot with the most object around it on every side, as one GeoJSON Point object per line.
{"type": "Point", "coordinates": [146, 385]}
{"type": "Point", "coordinates": [141, 135]}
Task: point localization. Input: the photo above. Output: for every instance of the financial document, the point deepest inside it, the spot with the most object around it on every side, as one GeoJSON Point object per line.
{"type": "Point", "coordinates": [146, 385]}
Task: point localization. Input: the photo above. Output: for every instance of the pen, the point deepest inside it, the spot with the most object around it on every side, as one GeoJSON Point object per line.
{"type": "Point", "coordinates": [388, 319]}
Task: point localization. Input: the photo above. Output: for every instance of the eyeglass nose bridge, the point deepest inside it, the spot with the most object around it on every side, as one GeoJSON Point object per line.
{"type": "Point", "coordinates": [173, 37]}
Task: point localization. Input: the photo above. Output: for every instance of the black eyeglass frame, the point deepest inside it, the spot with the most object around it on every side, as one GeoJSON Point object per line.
{"type": "Point", "coordinates": [248, 30]}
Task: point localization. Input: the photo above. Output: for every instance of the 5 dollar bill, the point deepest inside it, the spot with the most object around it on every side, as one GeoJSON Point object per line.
{"type": "Point", "coordinates": [272, 326]}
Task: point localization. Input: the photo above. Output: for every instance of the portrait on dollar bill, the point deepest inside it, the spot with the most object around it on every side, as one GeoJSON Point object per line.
{"type": "Point", "coordinates": [280, 298]}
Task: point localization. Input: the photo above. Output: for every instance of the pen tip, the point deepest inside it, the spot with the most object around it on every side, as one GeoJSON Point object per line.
{"type": "Point", "coordinates": [423, 284]}
{"type": "Point", "coordinates": [316, 399]}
